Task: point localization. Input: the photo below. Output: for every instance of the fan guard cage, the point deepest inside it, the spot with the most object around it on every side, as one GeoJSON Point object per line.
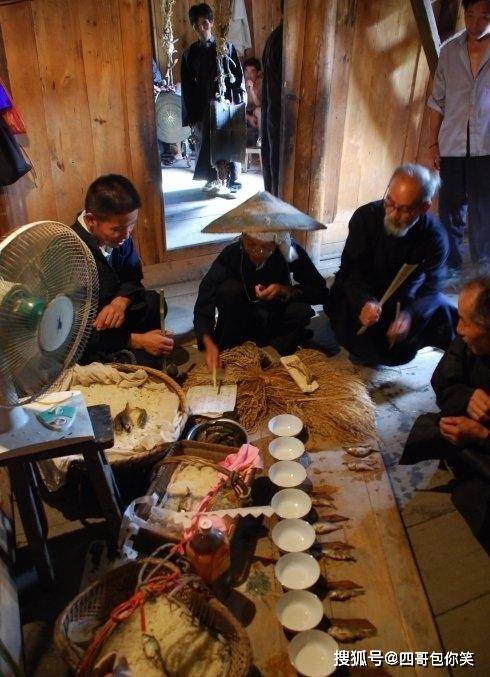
{"type": "Point", "coordinates": [46, 260]}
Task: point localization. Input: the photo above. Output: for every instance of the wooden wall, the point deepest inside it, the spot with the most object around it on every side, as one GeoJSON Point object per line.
{"type": "Point", "coordinates": [263, 17]}
{"type": "Point", "coordinates": [387, 86]}
{"type": "Point", "coordinates": [81, 75]}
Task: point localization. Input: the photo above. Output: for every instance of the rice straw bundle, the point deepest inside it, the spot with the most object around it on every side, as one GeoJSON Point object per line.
{"type": "Point", "coordinates": [340, 410]}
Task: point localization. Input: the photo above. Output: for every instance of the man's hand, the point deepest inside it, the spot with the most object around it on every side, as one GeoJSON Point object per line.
{"type": "Point", "coordinates": [272, 291]}
{"type": "Point", "coordinates": [370, 313]}
{"type": "Point", "coordinates": [479, 406]}
{"type": "Point", "coordinates": [460, 430]}
{"type": "Point", "coordinates": [212, 356]}
{"type": "Point", "coordinates": [153, 342]}
{"type": "Point", "coordinates": [112, 315]}
{"type": "Point", "coordinates": [399, 328]}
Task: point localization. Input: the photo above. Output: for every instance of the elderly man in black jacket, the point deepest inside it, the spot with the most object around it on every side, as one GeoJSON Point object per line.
{"type": "Point", "coordinates": [262, 287]}
{"type": "Point", "coordinates": [460, 434]}
{"type": "Point", "coordinates": [128, 317]}
{"type": "Point", "coordinates": [384, 235]}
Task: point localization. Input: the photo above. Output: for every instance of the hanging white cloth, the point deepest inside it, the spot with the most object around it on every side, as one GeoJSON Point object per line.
{"type": "Point", "coordinates": [239, 30]}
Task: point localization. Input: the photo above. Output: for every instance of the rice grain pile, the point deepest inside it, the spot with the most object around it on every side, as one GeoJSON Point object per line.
{"type": "Point", "coordinates": [340, 410]}
{"type": "Point", "coordinates": [187, 647]}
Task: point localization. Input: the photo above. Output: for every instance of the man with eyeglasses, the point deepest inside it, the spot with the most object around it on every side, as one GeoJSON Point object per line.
{"type": "Point", "coordinates": [127, 325]}
{"type": "Point", "coordinates": [383, 235]}
{"type": "Point", "coordinates": [262, 286]}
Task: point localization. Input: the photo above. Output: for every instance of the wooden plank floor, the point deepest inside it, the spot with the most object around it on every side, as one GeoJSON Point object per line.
{"type": "Point", "coordinates": [439, 537]}
{"type": "Point", "coordinates": [395, 601]}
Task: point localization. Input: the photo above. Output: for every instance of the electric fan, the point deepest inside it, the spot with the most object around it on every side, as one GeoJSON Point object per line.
{"type": "Point", "coordinates": [48, 301]}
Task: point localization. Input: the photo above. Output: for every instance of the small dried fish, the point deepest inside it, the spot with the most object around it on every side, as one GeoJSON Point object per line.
{"type": "Point", "coordinates": [122, 421]}
{"type": "Point", "coordinates": [359, 452]}
{"type": "Point", "coordinates": [152, 651]}
{"type": "Point", "coordinates": [338, 550]}
{"type": "Point", "coordinates": [322, 502]}
{"type": "Point", "coordinates": [367, 464]}
{"type": "Point", "coordinates": [325, 527]}
{"type": "Point", "coordinates": [334, 518]}
{"type": "Point", "coordinates": [350, 629]}
{"type": "Point", "coordinates": [141, 416]}
{"type": "Point", "coordinates": [342, 590]}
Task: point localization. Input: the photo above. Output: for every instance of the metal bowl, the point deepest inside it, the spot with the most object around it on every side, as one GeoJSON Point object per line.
{"type": "Point", "coordinates": [205, 425]}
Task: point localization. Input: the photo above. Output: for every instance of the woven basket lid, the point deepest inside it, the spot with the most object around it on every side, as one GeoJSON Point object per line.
{"type": "Point", "coordinates": [263, 213]}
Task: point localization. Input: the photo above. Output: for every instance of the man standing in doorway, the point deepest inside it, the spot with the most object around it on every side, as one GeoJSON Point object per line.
{"type": "Point", "coordinates": [199, 87]}
{"type": "Point", "coordinates": [271, 107]}
{"type": "Point", "coordinates": [460, 134]}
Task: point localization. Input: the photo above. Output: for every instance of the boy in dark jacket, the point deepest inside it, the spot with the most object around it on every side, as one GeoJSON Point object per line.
{"type": "Point", "coordinates": [128, 317]}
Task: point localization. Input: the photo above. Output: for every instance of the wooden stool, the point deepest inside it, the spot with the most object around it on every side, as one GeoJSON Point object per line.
{"type": "Point", "coordinates": [248, 153]}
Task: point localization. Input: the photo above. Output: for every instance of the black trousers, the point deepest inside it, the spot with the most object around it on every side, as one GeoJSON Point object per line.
{"type": "Point", "coordinates": [470, 492]}
{"type": "Point", "coordinates": [465, 197]}
{"type": "Point", "coordinates": [438, 331]}
{"type": "Point", "coordinates": [277, 323]}
{"type": "Point", "coordinates": [141, 317]}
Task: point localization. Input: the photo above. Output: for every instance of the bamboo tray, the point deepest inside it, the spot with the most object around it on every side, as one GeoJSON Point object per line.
{"type": "Point", "coordinates": [99, 599]}
{"type": "Point", "coordinates": [177, 453]}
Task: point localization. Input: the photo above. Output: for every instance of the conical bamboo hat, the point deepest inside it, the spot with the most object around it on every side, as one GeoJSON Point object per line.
{"type": "Point", "coordinates": [263, 213]}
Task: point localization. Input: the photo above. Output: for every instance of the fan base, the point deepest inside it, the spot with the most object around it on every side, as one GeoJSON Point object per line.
{"type": "Point", "coordinates": [12, 419]}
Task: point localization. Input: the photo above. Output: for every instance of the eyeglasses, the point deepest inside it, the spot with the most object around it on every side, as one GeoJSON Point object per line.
{"type": "Point", "coordinates": [403, 210]}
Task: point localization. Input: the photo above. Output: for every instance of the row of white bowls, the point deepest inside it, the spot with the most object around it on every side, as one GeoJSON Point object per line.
{"type": "Point", "coordinates": [311, 651]}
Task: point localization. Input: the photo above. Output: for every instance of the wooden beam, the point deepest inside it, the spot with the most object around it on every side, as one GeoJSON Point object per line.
{"type": "Point", "coordinates": [429, 34]}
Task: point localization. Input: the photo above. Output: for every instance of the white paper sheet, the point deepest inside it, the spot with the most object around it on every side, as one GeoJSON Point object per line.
{"type": "Point", "coordinates": [206, 400]}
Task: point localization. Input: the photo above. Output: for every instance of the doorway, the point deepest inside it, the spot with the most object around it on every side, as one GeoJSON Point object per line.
{"type": "Point", "coordinates": [188, 209]}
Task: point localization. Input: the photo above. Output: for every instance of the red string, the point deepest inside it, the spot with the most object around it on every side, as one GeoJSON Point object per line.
{"type": "Point", "coordinates": [153, 588]}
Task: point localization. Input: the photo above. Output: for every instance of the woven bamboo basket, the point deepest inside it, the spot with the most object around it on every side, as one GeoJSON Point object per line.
{"type": "Point", "coordinates": [76, 499]}
{"type": "Point", "coordinates": [145, 457]}
{"type": "Point", "coordinates": [194, 453]}
{"type": "Point", "coordinates": [100, 598]}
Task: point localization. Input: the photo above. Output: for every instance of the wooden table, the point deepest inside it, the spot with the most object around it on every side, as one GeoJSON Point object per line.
{"type": "Point", "coordinates": [24, 485]}
{"type": "Point", "coordinates": [394, 601]}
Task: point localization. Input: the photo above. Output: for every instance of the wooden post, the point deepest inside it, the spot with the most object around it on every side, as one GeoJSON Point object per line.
{"type": "Point", "coordinates": [429, 35]}
{"type": "Point", "coordinates": [316, 54]}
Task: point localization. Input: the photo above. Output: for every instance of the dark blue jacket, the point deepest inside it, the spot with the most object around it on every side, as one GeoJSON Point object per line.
{"type": "Point", "coordinates": [371, 259]}
{"type": "Point", "coordinates": [233, 264]}
{"type": "Point", "coordinates": [121, 275]}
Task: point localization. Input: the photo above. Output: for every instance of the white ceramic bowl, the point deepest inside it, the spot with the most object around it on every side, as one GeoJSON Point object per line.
{"type": "Point", "coordinates": [312, 653]}
{"type": "Point", "coordinates": [299, 610]}
{"type": "Point", "coordinates": [287, 473]}
{"type": "Point", "coordinates": [297, 570]}
{"type": "Point", "coordinates": [285, 425]}
{"type": "Point", "coordinates": [293, 535]}
{"type": "Point", "coordinates": [291, 503]}
{"type": "Point", "coordinates": [286, 448]}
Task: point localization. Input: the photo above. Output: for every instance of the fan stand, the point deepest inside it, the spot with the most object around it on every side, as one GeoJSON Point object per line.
{"type": "Point", "coordinates": [25, 434]}
{"type": "Point", "coordinates": [12, 419]}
